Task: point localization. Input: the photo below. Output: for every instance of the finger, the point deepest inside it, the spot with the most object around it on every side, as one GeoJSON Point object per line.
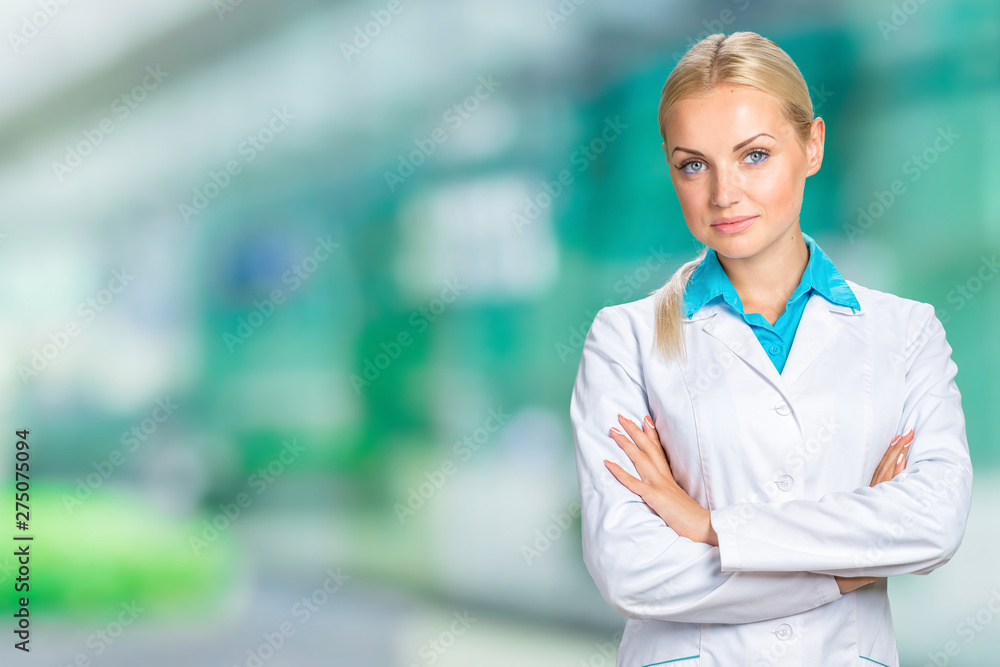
{"type": "Point", "coordinates": [648, 470]}
{"type": "Point", "coordinates": [886, 467]}
{"type": "Point", "coordinates": [655, 460]}
{"type": "Point", "coordinates": [891, 463]}
{"type": "Point", "coordinates": [908, 440]}
{"type": "Point", "coordinates": [882, 469]}
{"type": "Point", "coordinates": [650, 430]}
{"type": "Point", "coordinates": [904, 452]}
{"type": "Point", "coordinates": [629, 481]}
{"type": "Point", "coordinates": [638, 436]}
{"type": "Point", "coordinates": [900, 451]}
{"type": "Point", "coordinates": [658, 453]}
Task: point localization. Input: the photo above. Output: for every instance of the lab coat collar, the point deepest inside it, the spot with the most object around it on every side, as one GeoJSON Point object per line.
{"type": "Point", "coordinates": [819, 327]}
{"type": "Point", "coordinates": [709, 281]}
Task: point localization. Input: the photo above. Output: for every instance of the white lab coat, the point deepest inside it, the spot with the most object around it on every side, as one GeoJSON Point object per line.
{"type": "Point", "coordinates": [784, 463]}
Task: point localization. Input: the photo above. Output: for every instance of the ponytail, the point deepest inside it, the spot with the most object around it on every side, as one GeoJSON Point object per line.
{"type": "Point", "coordinates": [668, 339]}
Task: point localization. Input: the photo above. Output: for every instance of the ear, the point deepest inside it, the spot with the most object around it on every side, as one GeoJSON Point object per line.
{"type": "Point", "coordinates": [814, 146]}
{"type": "Point", "coordinates": [665, 151]}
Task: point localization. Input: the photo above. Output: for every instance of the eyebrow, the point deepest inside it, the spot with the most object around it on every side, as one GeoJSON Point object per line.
{"type": "Point", "coordinates": [735, 148]}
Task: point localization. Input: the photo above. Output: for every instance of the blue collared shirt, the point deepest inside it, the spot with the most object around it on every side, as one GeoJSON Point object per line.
{"type": "Point", "coordinates": [709, 282]}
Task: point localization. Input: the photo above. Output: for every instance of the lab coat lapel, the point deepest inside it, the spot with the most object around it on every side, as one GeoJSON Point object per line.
{"type": "Point", "coordinates": [733, 332]}
{"type": "Point", "coordinates": [816, 333]}
{"type": "Point", "coordinates": [817, 330]}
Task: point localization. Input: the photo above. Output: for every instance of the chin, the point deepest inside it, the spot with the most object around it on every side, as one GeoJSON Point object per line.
{"type": "Point", "coordinates": [736, 246]}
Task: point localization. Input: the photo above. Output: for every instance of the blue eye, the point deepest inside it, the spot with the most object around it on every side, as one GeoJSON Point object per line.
{"type": "Point", "coordinates": [684, 167]}
{"type": "Point", "coordinates": [757, 151]}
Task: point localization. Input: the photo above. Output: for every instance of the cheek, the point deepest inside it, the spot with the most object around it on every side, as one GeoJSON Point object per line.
{"type": "Point", "coordinates": [778, 190]}
{"type": "Point", "coordinates": [690, 193]}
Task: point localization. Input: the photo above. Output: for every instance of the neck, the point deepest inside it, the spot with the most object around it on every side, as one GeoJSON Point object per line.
{"type": "Point", "coordinates": [768, 278]}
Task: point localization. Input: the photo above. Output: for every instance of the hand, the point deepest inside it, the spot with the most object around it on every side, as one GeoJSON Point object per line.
{"type": "Point", "coordinates": [892, 463]}
{"type": "Point", "coordinates": [657, 486]}
{"type": "Point", "coordinates": [894, 459]}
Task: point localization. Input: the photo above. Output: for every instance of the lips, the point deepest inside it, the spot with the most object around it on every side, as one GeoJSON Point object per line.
{"type": "Point", "coordinates": [729, 221]}
{"type": "Point", "coordinates": [734, 224]}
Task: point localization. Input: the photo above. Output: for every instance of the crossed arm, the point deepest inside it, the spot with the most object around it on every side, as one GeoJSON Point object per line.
{"type": "Point", "coordinates": [654, 552]}
{"type": "Point", "coordinates": [682, 513]}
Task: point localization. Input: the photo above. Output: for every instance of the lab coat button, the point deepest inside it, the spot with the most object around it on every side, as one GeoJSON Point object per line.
{"type": "Point", "coordinates": [782, 408]}
{"type": "Point", "coordinates": [783, 631]}
{"type": "Point", "coordinates": [785, 482]}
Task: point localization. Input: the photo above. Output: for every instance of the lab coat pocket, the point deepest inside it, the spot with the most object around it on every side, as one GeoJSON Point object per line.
{"type": "Point", "coordinates": [864, 661]}
{"type": "Point", "coordinates": [876, 634]}
{"type": "Point", "coordinates": [647, 642]}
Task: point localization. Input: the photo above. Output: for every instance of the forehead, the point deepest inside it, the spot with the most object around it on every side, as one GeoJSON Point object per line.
{"type": "Point", "coordinates": [725, 113]}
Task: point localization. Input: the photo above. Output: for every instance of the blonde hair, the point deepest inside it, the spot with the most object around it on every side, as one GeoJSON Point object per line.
{"type": "Point", "coordinates": [742, 58]}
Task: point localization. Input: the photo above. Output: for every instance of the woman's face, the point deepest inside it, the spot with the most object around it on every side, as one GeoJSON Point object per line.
{"type": "Point", "coordinates": [738, 168]}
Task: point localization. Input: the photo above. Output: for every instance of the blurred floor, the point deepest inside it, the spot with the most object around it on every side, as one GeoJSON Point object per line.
{"type": "Point", "coordinates": [366, 624]}
{"type": "Point", "coordinates": [363, 625]}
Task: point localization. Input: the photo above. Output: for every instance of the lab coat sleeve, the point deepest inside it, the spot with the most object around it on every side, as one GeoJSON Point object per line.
{"type": "Point", "coordinates": [913, 523]}
{"type": "Point", "coordinates": [642, 568]}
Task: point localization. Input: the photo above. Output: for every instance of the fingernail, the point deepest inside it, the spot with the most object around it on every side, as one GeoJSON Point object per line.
{"type": "Point", "coordinates": [649, 421]}
{"type": "Point", "coordinates": [895, 440]}
{"type": "Point", "coordinates": [900, 459]}
{"type": "Point", "coordinates": [617, 431]}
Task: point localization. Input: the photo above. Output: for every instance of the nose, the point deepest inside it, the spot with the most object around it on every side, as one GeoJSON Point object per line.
{"type": "Point", "coordinates": [726, 189]}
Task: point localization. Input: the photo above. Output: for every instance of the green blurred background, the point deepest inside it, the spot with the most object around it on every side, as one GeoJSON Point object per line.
{"type": "Point", "coordinates": [295, 295]}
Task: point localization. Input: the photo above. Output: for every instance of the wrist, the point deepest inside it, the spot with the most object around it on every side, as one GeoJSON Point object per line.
{"type": "Point", "coordinates": [711, 536]}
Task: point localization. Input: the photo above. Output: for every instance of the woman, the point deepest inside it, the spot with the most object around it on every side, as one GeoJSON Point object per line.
{"type": "Point", "coordinates": [755, 515]}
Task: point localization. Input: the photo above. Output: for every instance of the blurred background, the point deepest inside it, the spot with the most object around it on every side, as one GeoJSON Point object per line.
{"type": "Point", "coordinates": [294, 298]}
